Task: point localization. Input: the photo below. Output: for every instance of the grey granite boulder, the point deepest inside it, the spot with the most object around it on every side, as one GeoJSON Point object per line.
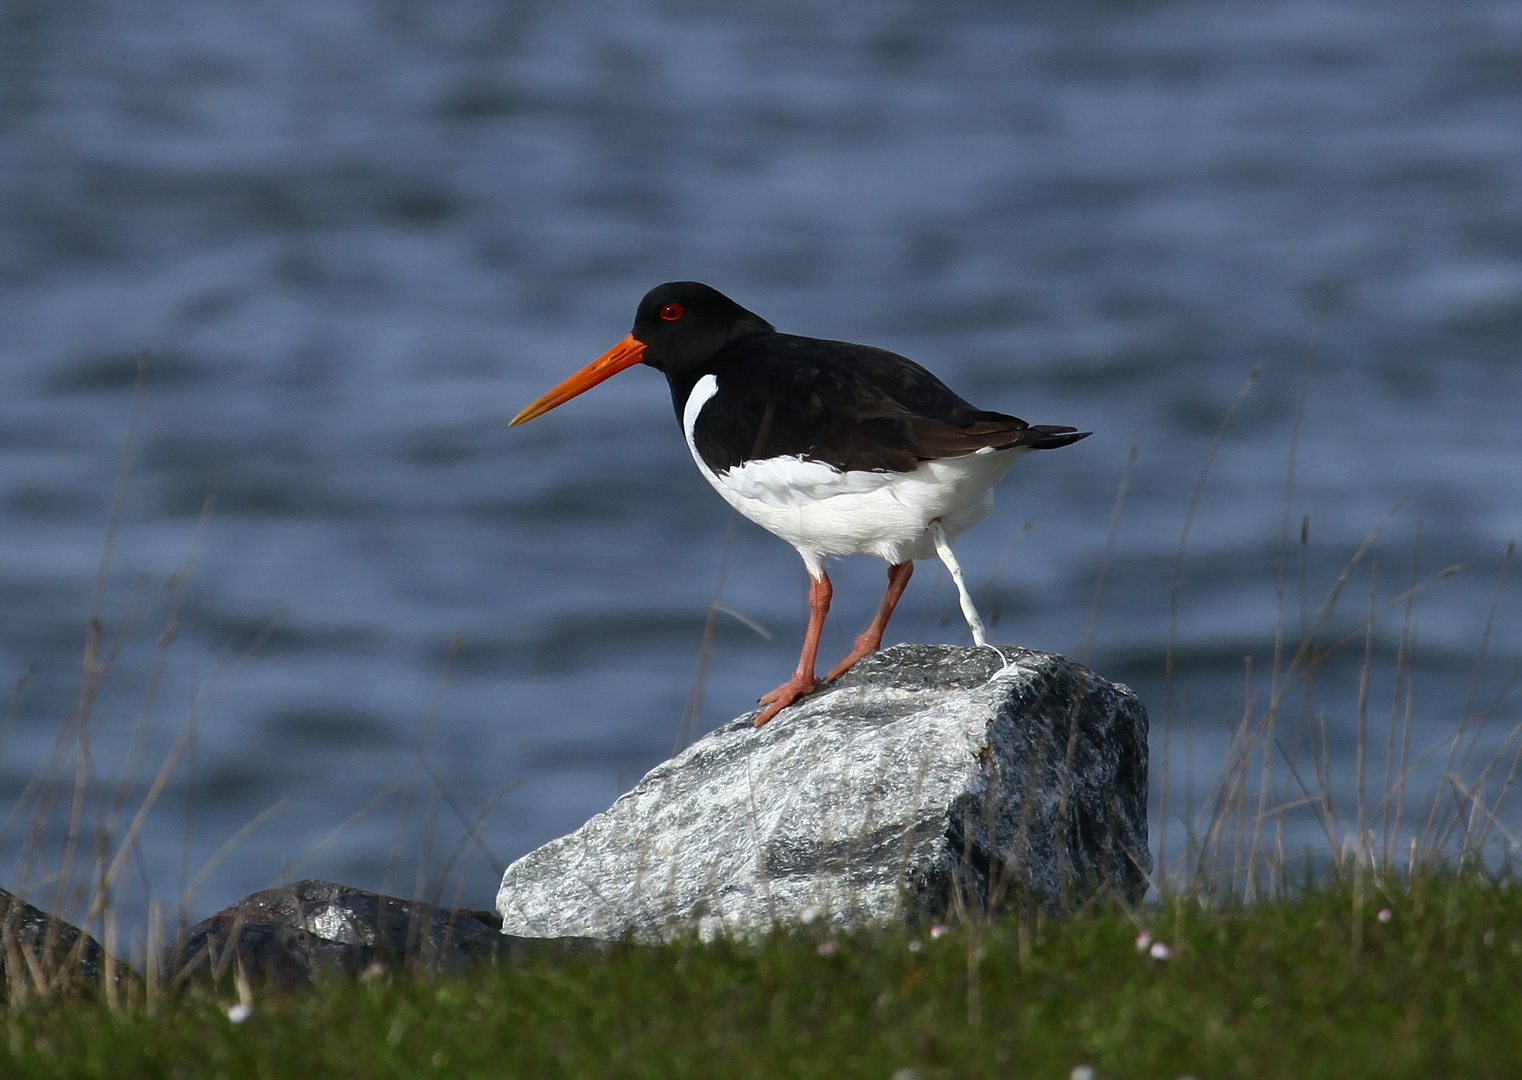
{"type": "Point", "coordinates": [926, 778]}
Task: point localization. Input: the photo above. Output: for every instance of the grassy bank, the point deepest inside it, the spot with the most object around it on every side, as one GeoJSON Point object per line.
{"type": "Point", "coordinates": [1370, 956]}
{"type": "Point", "coordinates": [1420, 981]}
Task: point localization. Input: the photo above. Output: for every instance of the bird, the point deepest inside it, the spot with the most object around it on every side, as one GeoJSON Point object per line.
{"type": "Point", "coordinates": [839, 449]}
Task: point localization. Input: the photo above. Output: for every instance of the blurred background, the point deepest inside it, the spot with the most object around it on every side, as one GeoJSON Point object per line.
{"type": "Point", "coordinates": [356, 236]}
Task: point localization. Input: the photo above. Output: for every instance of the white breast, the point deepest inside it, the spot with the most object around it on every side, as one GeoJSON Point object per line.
{"type": "Point", "coordinates": [824, 512]}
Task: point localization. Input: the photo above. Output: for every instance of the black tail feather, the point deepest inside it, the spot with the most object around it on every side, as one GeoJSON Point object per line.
{"type": "Point", "coordinates": [1049, 436]}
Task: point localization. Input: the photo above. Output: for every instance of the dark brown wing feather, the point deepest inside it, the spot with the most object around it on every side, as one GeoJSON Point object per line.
{"type": "Point", "coordinates": [939, 439]}
{"type": "Point", "coordinates": [851, 406]}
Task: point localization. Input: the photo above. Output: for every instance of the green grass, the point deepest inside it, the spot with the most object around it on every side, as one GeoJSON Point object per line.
{"type": "Point", "coordinates": [1307, 987]}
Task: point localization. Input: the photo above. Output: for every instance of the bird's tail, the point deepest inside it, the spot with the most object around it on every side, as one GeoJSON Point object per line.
{"type": "Point", "coordinates": [1049, 437]}
{"type": "Point", "coordinates": [986, 431]}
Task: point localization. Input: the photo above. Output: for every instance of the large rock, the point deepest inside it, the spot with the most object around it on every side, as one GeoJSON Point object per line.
{"type": "Point", "coordinates": [926, 778]}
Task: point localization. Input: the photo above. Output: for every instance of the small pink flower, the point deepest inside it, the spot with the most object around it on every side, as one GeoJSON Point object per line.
{"type": "Point", "coordinates": [916, 945]}
{"type": "Point", "coordinates": [239, 1012]}
{"type": "Point", "coordinates": [1160, 951]}
{"type": "Point", "coordinates": [1385, 915]}
{"type": "Point", "coordinates": [940, 929]}
{"type": "Point", "coordinates": [828, 948]}
{"type": "Point", "coordinates": [1143, 941]}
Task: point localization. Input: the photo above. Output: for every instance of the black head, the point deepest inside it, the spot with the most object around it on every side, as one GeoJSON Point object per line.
{"type": "Point", "coordinates": [683, 323]}
{"type": "Point", "coordinates": [679, 325]}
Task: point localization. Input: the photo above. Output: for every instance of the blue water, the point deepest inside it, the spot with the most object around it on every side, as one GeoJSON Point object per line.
{"type": "Point", "coordinates": [357, 236]}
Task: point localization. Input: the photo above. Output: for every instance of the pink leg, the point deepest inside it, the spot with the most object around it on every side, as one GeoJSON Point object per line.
{"type": "Point", "coordinates": [871, 638]}
{"type": "Point", "coordinates": [804, 681]}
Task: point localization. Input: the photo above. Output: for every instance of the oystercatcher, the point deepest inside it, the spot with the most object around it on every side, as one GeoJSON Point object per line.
{"type": "Point", "coordinates": [839, 449]}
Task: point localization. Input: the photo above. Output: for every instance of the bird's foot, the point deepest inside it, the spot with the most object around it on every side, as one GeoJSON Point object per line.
{"type": "Point", "coordinates": [796, 687]}
{"type": "Point", "coordinates": [861, 648]}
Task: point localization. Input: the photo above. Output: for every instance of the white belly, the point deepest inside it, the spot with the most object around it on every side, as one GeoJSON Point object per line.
{"type": "Point", "coordinates": [825, 513]}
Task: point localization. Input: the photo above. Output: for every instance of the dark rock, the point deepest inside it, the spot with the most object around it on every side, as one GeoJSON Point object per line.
{"type": "Point", "coordinates": [296, 934]}
{"type": "Point", "coordinates": [926, 778]}
{"type": "Point", "coordinates": [44, 954]}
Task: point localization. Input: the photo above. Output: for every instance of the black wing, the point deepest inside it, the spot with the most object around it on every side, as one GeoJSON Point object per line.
{"type": "Point", "coordinates": [850, 406]}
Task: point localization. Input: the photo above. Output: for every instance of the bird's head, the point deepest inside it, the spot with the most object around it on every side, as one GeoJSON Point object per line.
{"type": "Point", "coordinates": [677, 327]}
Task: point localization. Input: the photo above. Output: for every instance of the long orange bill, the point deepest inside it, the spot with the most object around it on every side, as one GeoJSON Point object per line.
{"type": "Point", "coordinates": [625, 354]}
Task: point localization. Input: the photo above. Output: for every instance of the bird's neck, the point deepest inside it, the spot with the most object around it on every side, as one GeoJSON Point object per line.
{"type": "Point", "coordinates": [681, 384]}
{"type": "Point", "coordinates": [682, 379]}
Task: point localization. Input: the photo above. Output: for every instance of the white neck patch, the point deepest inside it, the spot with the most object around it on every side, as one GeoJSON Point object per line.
{"type": "Point", "coordinates": [704, 390]}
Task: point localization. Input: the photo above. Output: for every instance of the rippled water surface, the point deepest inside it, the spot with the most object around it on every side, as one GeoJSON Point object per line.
{"type": "Point", "coordinates": [357, 236]}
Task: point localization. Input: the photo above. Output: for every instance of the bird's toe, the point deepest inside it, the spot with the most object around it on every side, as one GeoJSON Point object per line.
{"type": "Point", "coordinates": [785, 695]}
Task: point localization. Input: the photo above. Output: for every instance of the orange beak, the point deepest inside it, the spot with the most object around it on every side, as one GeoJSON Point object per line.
{"type": "Point", "coordinates": [625, 354]}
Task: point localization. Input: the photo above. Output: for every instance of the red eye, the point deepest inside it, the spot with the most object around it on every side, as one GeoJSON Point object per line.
{"type": "Point", "coordinates": [671, 311]}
